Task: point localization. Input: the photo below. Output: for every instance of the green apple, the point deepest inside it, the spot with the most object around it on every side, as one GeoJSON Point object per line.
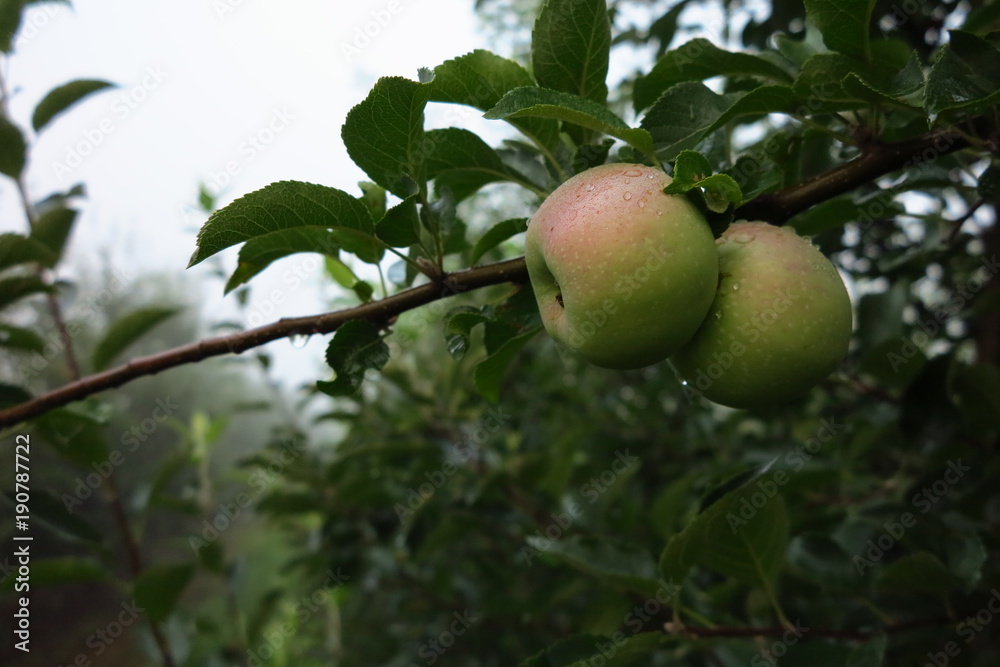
{"type": "Point", "coordinates": [623, 273]}
{"type": "Point", "coordinates": [780, 322]}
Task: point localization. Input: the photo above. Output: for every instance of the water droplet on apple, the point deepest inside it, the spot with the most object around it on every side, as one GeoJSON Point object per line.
{"type": "Point", "coordinates": [573, 214]}
{"type": "Point", "coordinates": [659, 213]}
{"type": "Point", "coordinates": [736, 287]}
{"type": "Point", "coordinates": [633, 173]}
{"type": "Point", "coordinates": [718, 314]}
{"type": "Point", "coordinates": [590, 188]}
{"type": "Point", "coordinates": [743, 237]}
{"type": "Point", "coordinates": [627, 196]}
{"type": "Point", "coordinates": [649, 176]}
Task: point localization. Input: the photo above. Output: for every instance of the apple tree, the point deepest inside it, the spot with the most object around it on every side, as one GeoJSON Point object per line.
{"type": "Point", "coordinates": [460, 488]}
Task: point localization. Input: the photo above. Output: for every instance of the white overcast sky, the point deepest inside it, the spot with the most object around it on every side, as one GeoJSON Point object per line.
{"type": "Point", "coordinates": [225, 71]}
{"type": "Point", "coordinates": [197, 80]}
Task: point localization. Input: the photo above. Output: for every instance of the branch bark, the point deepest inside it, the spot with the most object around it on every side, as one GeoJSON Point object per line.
{"type": "Point", "coordinates": [378, 312]}
{"type": "Point", "coordinates": [877, 160]}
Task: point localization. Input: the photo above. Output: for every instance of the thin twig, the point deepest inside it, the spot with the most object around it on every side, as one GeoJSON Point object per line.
{"type": "Point", "coordinates": [379, 312]}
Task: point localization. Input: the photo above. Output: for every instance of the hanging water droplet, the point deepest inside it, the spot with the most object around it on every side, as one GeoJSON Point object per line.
{"type": "Point", "coordinates": [299, 341]}
{"type": "Point", "coordinates": [627, 196]}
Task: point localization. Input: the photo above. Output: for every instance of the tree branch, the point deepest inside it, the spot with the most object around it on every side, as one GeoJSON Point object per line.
{"type": "Point", "coordinates": [378, 312]}
{"type": "Point", "coordinates": [875, 161]}
{"type": "Point", "coordinates": [823, 633]}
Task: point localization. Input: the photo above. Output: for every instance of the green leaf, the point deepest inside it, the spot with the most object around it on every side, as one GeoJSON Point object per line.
{"type": "Point", "coordinates": [822, 78]}
{"type": "Point", "coordinates": [259, 253]}
{"type": "Point", "coordinates": [680, 117]}
{"type": "Point", "coordinates": [340, 272]}
{"type": "Point", "coordinates": [65, 570]}
{"type": "Point", "coordinates": [964, 74]}
{"type": "Point", "coordinates": [698, 60]}
{"type": "Point", "coordinates": [489, 372]}
{"type": "Point", "coordinates": [839, 211]}
{"type": "Point", "coordinates": [619, 650]}
{"type": "Point", "coordinates": [624, 565]}
{"type": "Point", "coordinates": [692, 170]}
{"type": "Point", "coordinates": [13, 149]}
{"type": "Point", "coordinates": [497, 234]}
{"type": "Point", "coordinates": [12, 394]}
{"type": "Point", "coordinates": [10, 21]}
{"type": "Point", "coordinates": [544, 103]}
{"type": "Point", "coordinates": [400, 227]}
{"type": "Point", "coordinates": [918, 572]}
{"type": "Point", "coordinates": [52, 512]}
{"type": "Point", "coordinates": [52, 228]}
{"type": "Point", "coordinates": [459, 160]}
{"type": "Point", "coordinates": [384, 135]}
{"type": "Point", "coordinates": [62, 98]}
{"type": "Point", "coordinates": [16, 249]}
{"type": "Point", "coordinates": [20, 339]}
{"type": "Point", "coordinates": [989, 184]}
{"type": "Point", "coordinates": [845, 24]}
{"type": "Point", "coordinates": [126, 331]}
{"type": "Point", "coordinates": [288, 205]}
{"type": "Point", "coordinates": [356, 347]}
{"type": "Point", "coordinates": [18, 287]}
{"type": "Point", "coordinates": [966, 556]}
{"type": "Point", "coordinates": [373, 196]}
{"type": "Point", "coordinates": [479, 79]}
{"type": "Point", "coordinates": [975, 391]}
{"type": "Point", "coordinates": [458, 325]}
{"type": "Point", "coordinates": [869, 654]}
{"type": "Point", "coordinates": [743, 535]}
{"type": "Point", "coordinates": [158, 589]}
{"type": "Point", "coordinates": [570, 47]}
{"type": "Point", "coordinates": [904, 86]}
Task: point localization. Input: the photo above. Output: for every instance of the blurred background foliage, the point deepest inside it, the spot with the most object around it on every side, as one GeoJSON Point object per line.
{"type": "Point", "coordinates": [418, 523]}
